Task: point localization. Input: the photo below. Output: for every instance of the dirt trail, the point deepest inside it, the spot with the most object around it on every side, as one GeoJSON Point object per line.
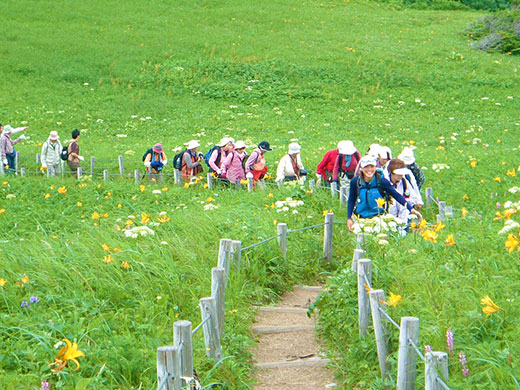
{"type": "Point", "coordinates": [287, 356]}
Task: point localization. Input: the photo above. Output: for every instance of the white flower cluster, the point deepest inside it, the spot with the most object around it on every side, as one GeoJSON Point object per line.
{"type": "Point", "coordinates": [210, 206]}
{"type": "Point", "coordinates": [138, 231]}
{"type": "Point", "coordinates": [510, 208]}
{"type": "Point", "coordinates": [285, 205]}
{"type": "Point", "coordinates": [440, 167]}
{"type": "Point", "coordinates": [509, 225]}
{"type": "Point", "coordinates": [514, 189]}
{"type": "Point", "coordinates": [378, 224]}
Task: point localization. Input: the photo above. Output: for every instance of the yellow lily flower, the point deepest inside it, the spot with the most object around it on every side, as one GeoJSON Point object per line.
{"type": "Point", "coordinates": [380, 202]}
{"type": "Point", "coordinates": [489, 306]}
{"type": "Point", "coordinates": [464, 212]}
{"type": "Point", "coordinates": [79, 204]}
{"type": "Point", "coordinates": [210, 199]}
{"type": "Point", "coordinates": [450, 241]}
{"type": "Point", "coordinates": [25, 279]}
{"type": "Point", "coordinates": [142, 187]}
{"type": "Point", "coordinates": [145, 218]}
{"type": "Point", "coordinates": [62, 190]}
{"type": "Point", "coordinates": [473, 163]}
{"type": "Point", "coordinates": [163, 219]}
{"type": "Point", "coordinates": [393, 300]}
{"type": "Point", "coordinates": [68, 352]}
{"type": "Point", "coordinates": [105, 247]}
{"type": "Point", "coordinates": [125, 265]}
{"type": "Point", "coordinates": [512, 242]}
{"type": "Point", "coordinates": [439, 226]}
{"type": "Point", "coordinates": [497, 179]}
{"type": "Point", "coordinates": [108, 259]}
{"type": "Point", "coordinates": [2, 282]}
{"type": "Point", "coordinates": [47, 196]}
{"type": "Point", "coordinates": [186, 185]}
{"type": "Point", "coordinates": [511, 173]}
{"type": "Point", "coordinates": [108, 195]}
{"type": "Point", "coordinates": [95, 215]}
{"type": "Point", "coordinates": [430, 235]}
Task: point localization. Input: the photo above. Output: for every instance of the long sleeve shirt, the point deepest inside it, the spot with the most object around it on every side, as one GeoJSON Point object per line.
{"type": "Point", "coordinates": [214, 157]}
{"type": "Point", "coordinates": [233, 167]}
{"type": "Point", "coordinates": [385, 186]}
{"type": "Point", "coordinates": [254, 158]}
{"type": "Point", "coordinates": [351, 167]}
{"type": "Point", "coordinates": [51, 153]}
{"type": "Point", "coordinates": [408, 188]}
{"type": "Point", "coordinates": [6, 145]}
{"type": "Point", "coordinates": [187, 158]}
{"type": "Point", "coordinates": [286, 169]}
{"type": "Point", "coordinates": [327, 163]}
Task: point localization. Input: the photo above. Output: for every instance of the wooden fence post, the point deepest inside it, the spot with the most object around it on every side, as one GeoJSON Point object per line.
{"type": "Point", "coordinates": [448, 212]}
{"type": "Point", "coordinates": [17, 162]}
{"type": "Point", "coordinates": [137, 176]}
{"type": "Point", "coordinates": [79, 172]}
{"type": "Point", "coordinates": [92, 164]}
{"type": "Point", "coordinates": [358, 254]}
{"type": "Point", "coordinates": [182, 339]}
{"type": "Point", "coordinates": [50, 171]}
{"type": "Point", "coordinates": [334, 189]}
{"type": "Point", "coordinates": [224, 252]}
{"type": "Point", "coordinates": [381, 333]}
{"type": "Point", "coordinates": [327, 236]}
{"type": "Point", "coordinates": [434, 363]}
{"type": "Point", "coordinates": [250, 185]}
{"type": "Point", "coordinates": [343, 196]}
{"type": "Point", "coordinates": [312, 184]}
{"type": "Point", "coordinates": [105, 175]}
{"type": "Point", "coordinates": [22, 172]}
{"type": "Point", "coordinates": [62, 168]}
{"type": "Point", "coordinates": [38, 158]}
{"type": "Point", "coordinates": [237, 253]}
{"type": "Point", "coordinates": [364, 269]}
{"type": "Point", "coordinates": [406, 365]}
{"type": "Point", "coordinates": [282, 238]}
{"type": "Point", "coordinates": [218, 291]}
{"type": "Point", "coordinates": [360, 239]}
{"type": "Point", "coordinates": [2, 170]}
{"type": "Point", "coordinates": [168, 363]}
{"type": "Point", "coordinates": [211, 334]}
{"type": "Point", "coordinates": [177, 176]}
{"type": "Point", "coordinates": [442, 209]}
{"type": "Point", "coordinates": [210, 181]}
{"type": "Point", "coordinates": [429, 195]}
{"type": "Point", "coordinates": [121, 165]}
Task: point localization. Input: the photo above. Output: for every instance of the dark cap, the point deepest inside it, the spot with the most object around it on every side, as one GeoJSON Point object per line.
{"type": "Point", "coordinates": [264, 145]}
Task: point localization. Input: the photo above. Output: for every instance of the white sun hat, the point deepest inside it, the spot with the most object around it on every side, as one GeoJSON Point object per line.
{"type": "Point", "coordinates": [367, 160]}
{"type": "Point", "coordinates": [240, 144]}
{"type": "Point", "coordinates": [294, 148]}
{"type": "Point", "coordinates": [401, 171]}
{"type": "Point", "coordinates": [407, 156]}
{"type": "Point", "coordinates": [346, 147]}
{"type": "Point", "coordinates": [192, 144]}
{"type": "Point", "coordinates": [8, 129]}
{"type": "Point", "coordinates": [373, 150]}
{"type": "Point", "coordinates": [385, 152]}
{"type": "Point", "coordinates": [54, 135]}
{"type": "Point", "coordinates": [224, 141]}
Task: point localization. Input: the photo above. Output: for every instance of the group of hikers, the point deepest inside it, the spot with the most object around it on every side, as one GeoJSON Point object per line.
{"type": "Point", "coordinates": [372, 180]}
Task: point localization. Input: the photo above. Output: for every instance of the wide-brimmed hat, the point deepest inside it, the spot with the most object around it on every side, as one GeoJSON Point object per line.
{"type": "Point", "coordinates": [157, 148]}
{"type": "Point", "coordinates": [224, 141]}
{"type": "Point", "coordinates": [192, 144]}
{"type": "Point", "coordinates": [8, 129]}
{"type": "Point", "coordinates": [346, 147]}
{"type": "Point", "coordinates": [400, 171]}
{"type": "Point", "coordinates": [54, 135]}
{"type": "Point", "coordinates": [385, 152]}
{"type": "Point", "coordinates": [373, 150]}
{"type": "Point", "coordinates": [294, 148]}
{"type": "Point", "coordinates": [264, 145]}
{"type": "Point", "coordinates": [407, 156]}
{"type": "Point", "coordinates": [240, 145]}
{"type": "Point", "coordinates": [367, 160]}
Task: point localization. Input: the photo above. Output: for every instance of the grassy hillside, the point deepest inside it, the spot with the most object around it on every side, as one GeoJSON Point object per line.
{"type": "Point", "coordinates": [172, 71]}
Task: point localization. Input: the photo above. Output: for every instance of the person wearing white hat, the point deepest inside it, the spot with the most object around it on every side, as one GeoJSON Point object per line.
{"type": "Point", "coordinates": [407, 155]}
{"type": "Point", "coordinates": [50, 156]}
{"type": "Point", "coordinates": [290, 166]}
{"type": "Point", "coordinates": [384, 155]}
{"type": "Point", "coordinates": [346, 163]}
{"type": "Point", "coordinates": [218, 153]}
{"type": "Point", "coordinates": [233, 167]}
{"type": "Point", "coordinates": [404, 182]}
{"type": "Point", "coordinates": [191, 161]}
{"type": "Point", "coordinates": [7, 150]}
{"type": "Point", "coordinates": [370, 193]}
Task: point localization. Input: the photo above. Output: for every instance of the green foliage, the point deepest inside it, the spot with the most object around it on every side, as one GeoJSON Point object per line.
{"type": "Point", "coordinates": [489, 5]}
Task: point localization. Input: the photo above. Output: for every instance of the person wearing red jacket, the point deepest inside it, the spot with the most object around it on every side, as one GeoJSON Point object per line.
{"type": "Point", "coordinates": [346, 163]}
{"type": "Point", "coordinates": [326, 166]}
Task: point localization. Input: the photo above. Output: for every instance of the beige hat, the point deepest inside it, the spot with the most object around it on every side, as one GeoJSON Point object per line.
{"type": "Point", "coordinates": [407, 156]}
{"type": "Point", "coordinates": [385, 152]}
{"type": "Point", "coordinates": [367, 160]}
{"type": "Point", "coordinates": [192, 144]}
{"type": "Point", "coordinates": [54, 135]}
{"type": "Point", "coordinates": [224, 141]}
{"type": "Point", "coordinates": [346, 147]}
{"type": "Point", "coordinates": [294, 148]}
{"type": "Point", "coordinates": [240, 145]}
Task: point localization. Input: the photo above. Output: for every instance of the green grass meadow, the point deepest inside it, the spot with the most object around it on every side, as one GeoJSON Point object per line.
{"type": "Point", "coordinates": [172, 71]}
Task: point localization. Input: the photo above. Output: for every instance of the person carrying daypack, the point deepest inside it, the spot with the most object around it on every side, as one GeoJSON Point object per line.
{"type": "Point", "coordinates": [255, 164]}
{"type": "Point", "coordinates": [346, 163]}
{"type": "Point", "coordinates": [73, 156]}
{"type": "Point", "coordinates": [407, 155]}
{"type": "Point", "coordinates": [326, 166]}
{"type": "Point", "coordinates": [217, 154]}
{"type": "Point", "coordinates": [190, 161]}
{"type": "Point", "coordinates": [290, 167]}
{"type": "Point", "coordinates": [369, 190]}
{"type": "Point", "coordinates": [155, 159]}
{"type": "Point", "coordinates": [7, 150]}
{"type": "Point", "coordinates": [233, 167]}
{"type": "Point", "coordinates": [51, 151]}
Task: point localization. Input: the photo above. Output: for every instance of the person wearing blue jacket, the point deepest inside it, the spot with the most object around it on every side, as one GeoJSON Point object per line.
{"type": "Point", "coordinates": [370, 193]}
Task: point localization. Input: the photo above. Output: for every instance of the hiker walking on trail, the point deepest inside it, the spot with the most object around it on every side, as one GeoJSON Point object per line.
{"type": "Point", "coordinates": [51, 151]}
{"type": "Point", "coordinates": [384, 155]}
{"type": "Point", "coordinates": [191, 161]}
{"type": "Point", "coordinates": [255, 165]}
{"type": "Point", "coordinates": [233, 167]}
{"type": "Point", "coordinates": [345, 164]}
{"type": "Point", "coordinates": [217, 154]}
{"type": "Point", "coordinates": [326, 166]}
{"type": "Point", "coordinates": [7, 150]}
{"type": "Point", "coordinates": [370, 193]}
{"type": "Point", "coordinates": [403, 181]}
{"type": "Point", "coordinates": [155, 159]}
{"type": "Point", "coordinates": [407, 155]}
{"type": "Point", "coordinates": [290, 167]}
{"type": "Point", "coordinates": [74, 159]}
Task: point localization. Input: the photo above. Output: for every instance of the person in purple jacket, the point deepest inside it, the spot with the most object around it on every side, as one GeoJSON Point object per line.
{"type": "Point", "coordinates": [233, 167]}
{"type": "Point", "coordinates": [370, 193]}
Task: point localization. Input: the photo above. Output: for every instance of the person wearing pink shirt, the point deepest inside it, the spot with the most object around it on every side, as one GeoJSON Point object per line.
{"type": "Point", "coordinates": [233, 166]}
{"type": "Point", "coordinates": [219, 155]}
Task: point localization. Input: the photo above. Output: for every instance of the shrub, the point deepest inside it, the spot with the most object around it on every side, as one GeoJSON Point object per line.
{"type": "Point", "coordinates": [496, 32]}
{"type": "Point", "coordinates": [490, 5]}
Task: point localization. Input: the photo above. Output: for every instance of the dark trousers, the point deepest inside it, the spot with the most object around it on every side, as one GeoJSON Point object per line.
{"type": "Point", "coordinates": [11, 161]}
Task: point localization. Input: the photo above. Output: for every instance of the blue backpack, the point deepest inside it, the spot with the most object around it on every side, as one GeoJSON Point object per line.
{"type": "Point", "coordinates": [207, 156]}
{"type": "Point", "coordinates": [366, 204]}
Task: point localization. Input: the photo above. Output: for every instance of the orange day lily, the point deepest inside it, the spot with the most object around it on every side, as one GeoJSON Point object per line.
{"type": "Point", "coordinates": [393, 300]}
{"type": "Point", "coordinates": [489, 306]}
{"type": "Point", "coordinates": [145, 218]}
{"type": "Point", "coordinates": [439, 226]}
{"type": "Point", "coordinates": [2, 282]}
{"type": "Point", "coordinates": [430, 235]}
{"type": "Point", "coordinates": [511, 172]}
{"type": "Point", "coordinates": [512, 242]}
{"type": "Point", "coordinates": [380, 202]}
{"type": "Point", "coordinates": [450, 241]}
{"type": "Point", "coordinates": [68, 352]}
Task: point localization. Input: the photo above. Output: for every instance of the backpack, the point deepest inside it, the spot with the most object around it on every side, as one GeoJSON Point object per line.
{"type": "Point", "coordinates": [366, 205]}
{"type": "Point", "coordinates": [64, 155]}
{"type": "Point", "coordinates": [349, 174]}
{"type": "Point", "coordinates": [244, 160]}
{"type": "Point", "coordinates": [147, 153]}
{"type": "Point", "coordinates": [177, 160]}
{"type": "Point", "coordinates": [207, 156]}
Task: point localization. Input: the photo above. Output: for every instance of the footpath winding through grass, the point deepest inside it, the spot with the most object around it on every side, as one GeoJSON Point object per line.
{"type": "Point", "coordinates": [317, 72]}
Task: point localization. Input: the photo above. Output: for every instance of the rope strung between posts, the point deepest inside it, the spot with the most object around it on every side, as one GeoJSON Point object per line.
{"type": "Point", "coordinates": [442, 383]}
{"type": "Point", "coordinates": [389, 318]}
{"type": "Point", "coordinates": [312, 261]}
{"type": "Point", "coordinates": [164, 379]}
{"type": "Point", "coordinates": [367, 281]}
{"type": "Point", "coordinates": [260, 243]}
{"type": "Point", "coordinates": [305, 228]}
{"type": "Point", "coordinates": [410, 341]}
{"type": "Point", "coordinates": [200, 325]}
